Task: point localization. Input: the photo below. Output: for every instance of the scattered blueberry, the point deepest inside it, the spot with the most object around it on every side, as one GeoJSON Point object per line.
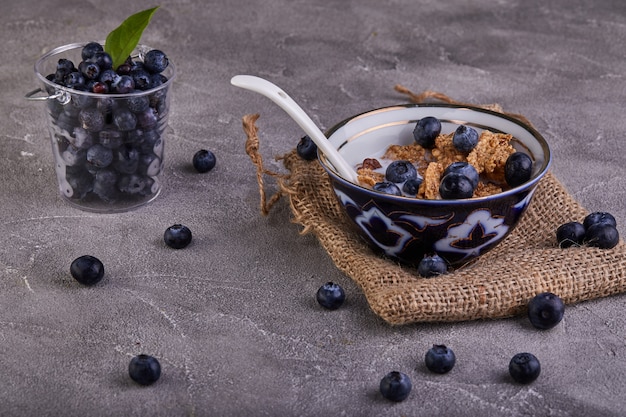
{"type": "Point", "coordinates": [432, 266]}
{"type": "Point", "coordinates": [177, 236]}
{"type": "Point", "coordinates": [426, 131]}
{"type": "Point", "coordinates": [524, 368]}
{"type": "Point", "coordinates": [440, 359]}
{"type": "Point", "coordinates": [570, 234]}
{"type": "Point", "coordinates": [412, 186]}
{"type": "Point", "coordinates": [144, 369]}
{"type": "Point", "coordinates": [455, 186]}
{"type": "Point", "coordinates": [306, 148]}
{"type": "Point", "coordinates": [330, 296]}
{"type": "Point", "coordinates": [518, 169]}
{"type": "Point", "coordinates": [602, 235]}
{"type": "Point", "coordinates": [465, 138]}
{"type": "Point", "coordinates": [87, 269]}
{"type": "Point", "coordinates": [464, 168]}
{"type": "Point", "coordinates": [599, 217]}
{"type": "Point", "coordinates": [387, 187]}
{"type": "Point", "coordinates": [395, 386]}
{"type": "Point", "coordinates": [400, 171]}
{"type": "Point", "coordinates": [545, 310]}
{"type": "Point", "coordinates": [204, 160]}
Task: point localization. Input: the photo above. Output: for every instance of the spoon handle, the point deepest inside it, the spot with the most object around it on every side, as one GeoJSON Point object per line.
{"type": "Point", "coordinates": [278, 96]}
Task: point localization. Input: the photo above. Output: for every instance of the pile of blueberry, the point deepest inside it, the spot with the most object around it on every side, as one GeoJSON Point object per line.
{"type": "Point", "coordinates": [109, 148]}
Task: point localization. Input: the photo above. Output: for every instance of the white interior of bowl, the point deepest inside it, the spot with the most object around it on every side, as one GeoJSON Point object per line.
{"type": "Point", "coordinates": [368, 135]}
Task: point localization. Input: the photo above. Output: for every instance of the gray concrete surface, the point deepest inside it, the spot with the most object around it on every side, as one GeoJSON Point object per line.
{"type": "Point", "coordinates": [232, 318]}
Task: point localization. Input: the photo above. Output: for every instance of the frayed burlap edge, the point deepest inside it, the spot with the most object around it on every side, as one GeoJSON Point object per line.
{"type": "Point", "coordinates": [498, 285]}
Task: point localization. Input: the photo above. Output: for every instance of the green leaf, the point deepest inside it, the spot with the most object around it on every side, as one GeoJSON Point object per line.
{"type": "Point", "coordinates": [121, 41]}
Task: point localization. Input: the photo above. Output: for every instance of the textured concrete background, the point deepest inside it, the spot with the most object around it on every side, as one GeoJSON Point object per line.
{"type": "Point", "coordinates": [232, 318]}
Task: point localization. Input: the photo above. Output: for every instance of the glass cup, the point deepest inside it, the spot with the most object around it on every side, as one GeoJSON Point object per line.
{"type": "Point", "coordinates": [108, 148]}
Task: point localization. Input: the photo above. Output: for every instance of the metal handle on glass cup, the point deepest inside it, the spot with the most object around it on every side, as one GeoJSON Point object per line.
{"type": "Point", "coordinates": [60, 95]}
{"type": "Point", "coordinates": [278, 96]}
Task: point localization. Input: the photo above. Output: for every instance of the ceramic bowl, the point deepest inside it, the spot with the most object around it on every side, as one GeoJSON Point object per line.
{"type": "Point", "coordinates": [404, 228]}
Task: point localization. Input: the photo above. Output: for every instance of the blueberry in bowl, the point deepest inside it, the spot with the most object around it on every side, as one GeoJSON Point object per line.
{"type": "Point", "coordinates": [462, 202]}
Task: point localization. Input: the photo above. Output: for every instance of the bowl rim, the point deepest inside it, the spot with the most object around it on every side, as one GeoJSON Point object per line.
{"type": "Point", "coordinates": [430, 202]}
{"type": "Point", "coordinates": [141, 48]}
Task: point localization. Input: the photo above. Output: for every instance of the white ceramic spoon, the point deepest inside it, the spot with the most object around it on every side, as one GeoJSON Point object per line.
{"type": "Point", "coordinates": [278, 96]}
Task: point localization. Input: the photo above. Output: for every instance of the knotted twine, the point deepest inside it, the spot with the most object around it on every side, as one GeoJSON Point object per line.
{"type": "Point", "coordinates": [500, 284]}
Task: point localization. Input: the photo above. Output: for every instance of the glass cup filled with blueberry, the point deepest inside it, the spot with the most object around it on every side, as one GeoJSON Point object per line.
{"type": "Point", "coordinates": [106, 124]}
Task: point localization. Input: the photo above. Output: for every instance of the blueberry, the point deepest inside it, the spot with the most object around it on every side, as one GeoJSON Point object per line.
{"type": "Point", "coordinates": [440, 359]}
{"type": "Point", "coordinates": [545, 310]}
{"type": "Point", "coordinates": [412, 186]}
{"type": "Point", "coordinates": [99, 156]}
{"type": "Point", "coordinates": [602, 235]}
{"type": "Point", "coordinates": [124, 85]}
{"type": "Point", "coordinates": [138, 104]}
{"type": "Point", "coordinates": [455, 185]}
{"type": "Point", "coordinates": [426, 131]}
{"type": "Point", "coordinates": [465, 138]}
{"type": "Point", "coordinates": [400, 171]}
{"type": "Point", "coordinates": [142, 79]}
{"type": "Point", "coordinates": [132, 184]}
{"type": "Point", "coordinates": [64, 67]}
{"type": "Point", "coordinates": [109, 77]}
{"type": "Point", "coordinates": [330, 296]}
{"type": "Point", "coordinates": [155, 61]}
{"type": "Point", "coordinates": [73, 155]}
{"type": "Point", "coordinates": [432, 266]}
{"type": "Point", "coordinates": [387, 188]}
{"type": "Point", "coordinates": [91, 119]}
{"type": "Point", "coordinates": [126, 159]}
{"type": "Point", "coordinates": [90, 49]}
{"type": "Point", "coordinates": [599, 217]}
{"type": "Point", "coordinates": [147, 119]}
{"type": "Point", "coordinates": [464, 168]}
{"type": "Point", "coordinates": [570, 234]}
{"type": "Point", "coordinates": [306, 148]}
{"type": "Point", "coordinates": [98, 87]}
{"type": "Point", "coordinates": [87, 269]}
{"type": "Point", "coordinates": [124, 119]}
{"type": "Point", "coordinates": [395, 386]}
{"type": "Point", "coordinates": [518, 169]}
{"type": "Point", "coordinates": [524, 368]}
{"type": "Point", "coordinates": [203, 161]}
{"type": "Point", "coordinates": [73, 79]}
{"type": "Point", "coordinates": [144, 369]}
{"type": "Point", "coordinates": [90, 70]}
{"type": "Point", "coordinates": [110, 138]}
{"type": "Point", "coordinates": [103, 60]}
{"type": "Point", "coordinates": [157, 80]}
{"type": "Point", "coordinates": [104, 185]}
{"type": "Point", "coordinates": [80, 180]}
{"type": "Point", "coordinates": [177, 236]}
{"type": "Point", "coordinates": [81, 138]}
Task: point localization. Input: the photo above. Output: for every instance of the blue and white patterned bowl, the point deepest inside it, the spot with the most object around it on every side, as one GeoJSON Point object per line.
{"type": "Point", "coordinates": [406, 229]}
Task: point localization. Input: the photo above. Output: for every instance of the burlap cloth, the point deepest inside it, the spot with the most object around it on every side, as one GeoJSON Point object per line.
{"type": "Point", "coordinates": [499, 284]}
